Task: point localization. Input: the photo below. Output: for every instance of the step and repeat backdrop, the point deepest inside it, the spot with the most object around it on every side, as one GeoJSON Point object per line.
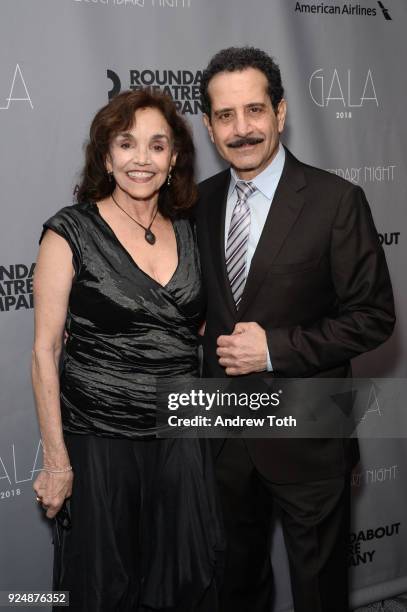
{"type": "Point", "coordinates": [343, 66]}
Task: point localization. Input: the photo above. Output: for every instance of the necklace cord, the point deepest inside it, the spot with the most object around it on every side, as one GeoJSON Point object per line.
{"type": "Point", "coordinates": [149, 236]}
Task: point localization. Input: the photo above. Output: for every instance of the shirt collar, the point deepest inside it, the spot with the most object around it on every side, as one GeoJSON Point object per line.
{"type": "Point", "coordinates": [266, 181]}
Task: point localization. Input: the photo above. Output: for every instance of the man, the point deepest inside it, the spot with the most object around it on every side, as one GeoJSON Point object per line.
{"type": "Point", "coordinates": [297, 285]}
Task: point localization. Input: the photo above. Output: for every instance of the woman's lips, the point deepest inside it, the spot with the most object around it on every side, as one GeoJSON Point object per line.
{"type": "Point", "coordinates": [140, 176]}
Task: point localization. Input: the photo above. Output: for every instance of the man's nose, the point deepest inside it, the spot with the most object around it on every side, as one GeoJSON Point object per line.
{"type": "Point", "coordinates": [242, 124]}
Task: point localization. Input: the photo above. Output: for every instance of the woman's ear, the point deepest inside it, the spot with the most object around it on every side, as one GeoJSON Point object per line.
{"type": "Point", "coordinates": [108, 163]}
{"type": "Point", "coordinates": [173, 160]}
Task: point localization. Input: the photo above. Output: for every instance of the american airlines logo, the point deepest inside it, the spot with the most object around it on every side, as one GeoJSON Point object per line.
{"type": "Point", "coordinates": [385, 12]}
{"type": "Point", "coordinates": [345, 9]}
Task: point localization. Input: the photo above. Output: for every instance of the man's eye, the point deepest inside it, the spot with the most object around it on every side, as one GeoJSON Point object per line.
{"type": "Point", "coordinates": [255, 109]}
{"type": "Point", "coordinates": [225, 116]}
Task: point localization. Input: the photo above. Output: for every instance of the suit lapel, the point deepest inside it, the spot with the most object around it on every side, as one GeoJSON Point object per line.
{"type": "Point", "coordinates": [216, 230]}
{"type": "Point", "coordinates": [284, 210]}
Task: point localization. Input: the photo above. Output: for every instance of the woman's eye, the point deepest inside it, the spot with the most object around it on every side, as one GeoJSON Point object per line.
{"type": "Point", "coordinates": [125, 145]}
{"type": "Point", "coordinates": [158, 147]}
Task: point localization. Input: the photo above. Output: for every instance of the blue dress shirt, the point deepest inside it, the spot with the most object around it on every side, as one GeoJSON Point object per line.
{"type": "Point", "coordinates": [259, 202]}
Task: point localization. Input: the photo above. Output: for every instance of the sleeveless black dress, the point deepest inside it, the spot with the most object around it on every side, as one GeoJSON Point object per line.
{"type": "Point", "coordinates": [145, 531]}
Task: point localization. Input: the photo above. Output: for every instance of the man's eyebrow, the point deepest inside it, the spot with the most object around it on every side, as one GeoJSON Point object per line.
{"type": "Point", "coordinates": [255, 104]}
{"type": "Point", "coordinates": [220, 111]}
{"type": "Point", "coordinates": [228, 110]}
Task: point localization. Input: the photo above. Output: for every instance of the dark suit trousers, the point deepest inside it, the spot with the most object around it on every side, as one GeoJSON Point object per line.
{"type": "Point", "coordinates": [315, 518]}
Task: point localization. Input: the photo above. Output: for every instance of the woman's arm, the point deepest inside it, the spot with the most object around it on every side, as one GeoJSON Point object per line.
{"type": "Point", "coordinates": [52, 284]}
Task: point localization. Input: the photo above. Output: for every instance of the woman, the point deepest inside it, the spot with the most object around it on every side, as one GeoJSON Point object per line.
{"type": "Point", "coordinates": [137, 525]}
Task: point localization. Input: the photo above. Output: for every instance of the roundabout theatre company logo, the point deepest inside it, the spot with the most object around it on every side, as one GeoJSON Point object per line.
{"type": "Point", "coordinates": [16, 287]}
{"type": "Point", "coordinates": [181, 85]}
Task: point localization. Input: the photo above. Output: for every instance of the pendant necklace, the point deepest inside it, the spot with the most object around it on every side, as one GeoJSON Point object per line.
{"type": "Point", "coordinates": [148, 234]}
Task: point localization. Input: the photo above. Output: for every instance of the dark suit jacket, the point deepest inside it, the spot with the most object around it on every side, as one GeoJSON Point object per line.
{"type": "Point", "coordinates": [318, 284]}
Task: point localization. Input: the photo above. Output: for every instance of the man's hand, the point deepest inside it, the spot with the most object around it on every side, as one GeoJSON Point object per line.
{"type": "Point", "coordinates": [244, 351]}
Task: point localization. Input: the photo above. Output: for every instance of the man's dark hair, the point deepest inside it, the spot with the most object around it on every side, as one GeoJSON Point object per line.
{"type": "Point", "coordinates": [239, 58]}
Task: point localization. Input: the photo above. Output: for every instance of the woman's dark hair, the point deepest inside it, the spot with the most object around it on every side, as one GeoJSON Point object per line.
{"type": "Point", "coordinates": [117, 117]}
{"type": "Point", "coordinates": [236, 59]}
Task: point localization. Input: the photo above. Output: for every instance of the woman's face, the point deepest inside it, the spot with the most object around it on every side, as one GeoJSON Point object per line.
{"type": "Point", "coordinates": [141, 157]}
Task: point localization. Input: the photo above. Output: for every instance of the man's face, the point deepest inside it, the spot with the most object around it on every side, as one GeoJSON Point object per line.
{"type": "Point", "coordinates": [243, 125]}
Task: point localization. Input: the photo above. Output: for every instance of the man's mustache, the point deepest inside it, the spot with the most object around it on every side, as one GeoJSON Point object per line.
{"type": "Point", "coordinates": [249, 140]}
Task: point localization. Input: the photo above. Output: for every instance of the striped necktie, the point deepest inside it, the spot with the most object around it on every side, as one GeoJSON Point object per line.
{"type": "Point", "coordinates": [238, 236]}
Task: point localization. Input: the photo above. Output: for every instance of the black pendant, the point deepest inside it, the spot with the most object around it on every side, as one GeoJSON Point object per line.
{"type": "Point", "coordinates": [149, 236]}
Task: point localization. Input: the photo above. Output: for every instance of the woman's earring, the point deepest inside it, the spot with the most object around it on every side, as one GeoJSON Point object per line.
{"type": "Point", "coordinates": [169, 178]}
{"type": "Point", "coordinates": [110, 176]}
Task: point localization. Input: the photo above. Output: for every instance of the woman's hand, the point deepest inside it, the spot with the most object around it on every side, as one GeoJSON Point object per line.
{"type": "Point", "coordinates": [52, 489]}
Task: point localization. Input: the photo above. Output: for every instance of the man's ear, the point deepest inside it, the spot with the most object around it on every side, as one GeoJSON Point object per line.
{"type": "Point", "coordinates": [281, 114]}
{"type": "Point", "coordinates": [207, 123]}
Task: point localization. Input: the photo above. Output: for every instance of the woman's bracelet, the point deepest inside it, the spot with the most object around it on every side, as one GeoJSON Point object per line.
{"type": "Point", "coordinates": [53, 471]}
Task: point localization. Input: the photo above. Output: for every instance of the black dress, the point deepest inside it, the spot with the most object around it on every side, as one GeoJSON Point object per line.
{"type": "Point", "coordinates": [145, 533]}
